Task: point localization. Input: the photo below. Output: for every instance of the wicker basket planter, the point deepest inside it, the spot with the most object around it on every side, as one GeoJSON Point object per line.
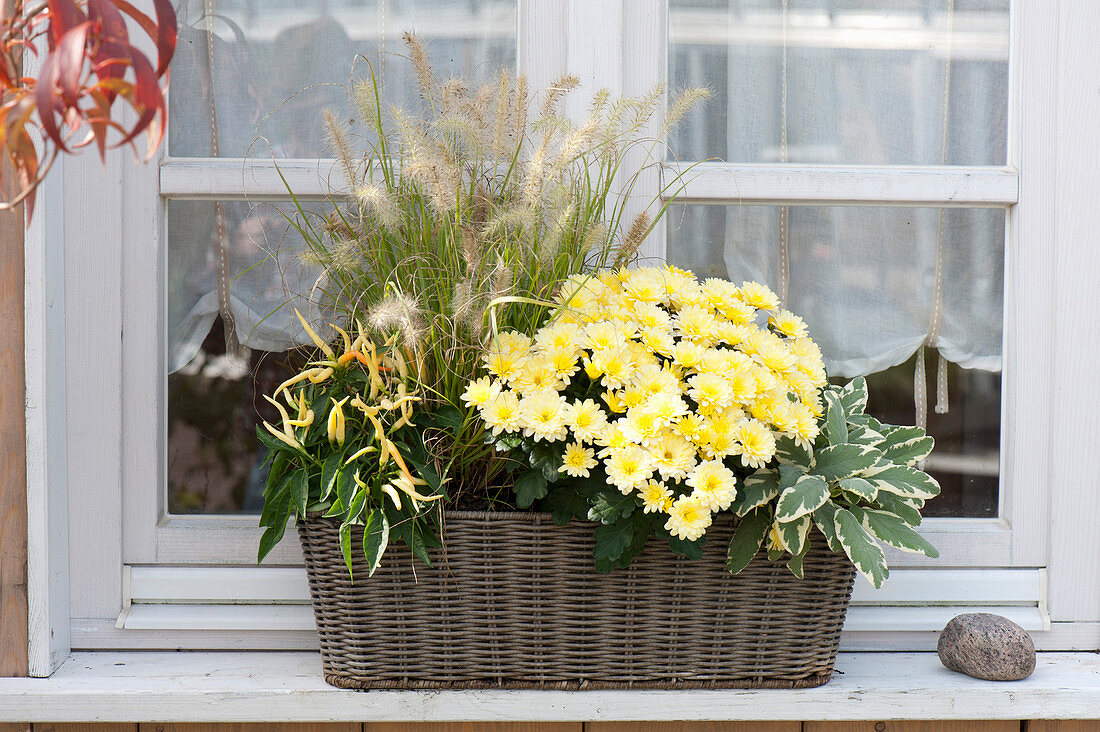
{"type": "Point", "coordinates": [515, 603]}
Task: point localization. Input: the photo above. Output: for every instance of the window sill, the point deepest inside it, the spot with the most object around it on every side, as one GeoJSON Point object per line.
{"type": "Point", "coordinates": [287, 686]}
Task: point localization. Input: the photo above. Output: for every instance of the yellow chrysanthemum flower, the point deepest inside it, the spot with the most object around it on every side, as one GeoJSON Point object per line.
{"type": "Point", "coordinates": [673, 455]}
{"type": "Point", "coordinates": [756, 443]}
{"type": "Point", "coordinates": [615, 365]}
{"type": "Point", "coordinates": [542, 416]}
{"type": "Point", "coordinates": [687, 354]}
{"type": "Point", "coordinates": [642, 425]}
{"type": "Point", "coordinates": [504, 364]}
{"type": "Point", "coordinates": [558, 335]}
{"type": "Point", "coordinates": [789, 324]}
{"type": "Point", "coordinates": [603, 335]}
{"type": "Point", "coordinates": [629, 468]}
{"type": "Point", "coordinates": [656, 498]}
{"type": "Point", "coordinates": [535, 375]}
{"type": "Point", "coordinates": [502, 412]}
{"type": "Point", "coordinates": [688, 518]}
{"type": "Point", "coordinates": [758, 296]}
{"type": "Point", "coordinates": [715, 485]}
{"type": "Point", "coordinates": [480, 391]}
{"type": "Point", "coordinates": [577, 460]}
{"type": "Point", "coordinates": [586, 420]}
{"type": "Point", "coordinates": [696, 323]}
{"type": "Point", "coordinates": [710, 390]}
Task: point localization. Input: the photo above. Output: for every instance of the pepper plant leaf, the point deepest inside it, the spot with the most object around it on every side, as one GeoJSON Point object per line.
{"type": "Point", "coordinates": [376, 537]}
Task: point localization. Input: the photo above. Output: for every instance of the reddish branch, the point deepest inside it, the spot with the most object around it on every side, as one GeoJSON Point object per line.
{"type": "Point", "coordinates": [89, 64]}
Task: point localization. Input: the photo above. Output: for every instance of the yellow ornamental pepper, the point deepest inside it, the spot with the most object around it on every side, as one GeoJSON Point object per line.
{"type": "Point", "coordinates": [305, 414]}
{"type": "Point", "coordinates": [336, 423]}
{"type": "Point", "coordinates": [314, 337]}
{"type": "Point", "coordinates": [287, 435]}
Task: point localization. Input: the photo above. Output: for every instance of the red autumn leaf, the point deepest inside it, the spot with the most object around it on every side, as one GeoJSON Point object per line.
{"type": "Point", "coordinates": [90, 64]}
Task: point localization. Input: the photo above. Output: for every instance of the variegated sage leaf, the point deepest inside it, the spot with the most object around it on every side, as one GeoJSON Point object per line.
{"type": "Point", "coordinates": [865, 554]}
{"type": "Point", "coordinates": [805, 496]}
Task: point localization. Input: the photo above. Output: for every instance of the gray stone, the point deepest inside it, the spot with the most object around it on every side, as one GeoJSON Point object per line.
{"type": "Point", "coordinates": [987, 646]}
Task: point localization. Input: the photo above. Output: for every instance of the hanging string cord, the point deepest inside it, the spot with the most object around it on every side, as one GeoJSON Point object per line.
{"type": "Point", "coordinates": [932, 339]}
{"type": "Point", "coordinates": [221, 248]}
{"type": "Point", "coordinates": [783, 263]}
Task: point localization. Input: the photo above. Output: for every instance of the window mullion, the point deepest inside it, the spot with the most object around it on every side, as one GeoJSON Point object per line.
{"type": "Point", "coordinates": [838, 185]}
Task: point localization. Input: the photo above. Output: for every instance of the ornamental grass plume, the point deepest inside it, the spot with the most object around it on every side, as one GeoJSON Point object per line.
{"type": "Point", "coordinates": [463, 219]}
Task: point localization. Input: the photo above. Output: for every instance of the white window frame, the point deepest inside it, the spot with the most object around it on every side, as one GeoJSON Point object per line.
{"type": "Point", "coordinates": [96, 419]}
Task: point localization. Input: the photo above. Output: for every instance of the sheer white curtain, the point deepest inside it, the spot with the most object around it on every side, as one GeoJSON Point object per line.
{"type": "Point", "coordinates": [249, 80]}
{"type": "Point", "coordinates": [853, 82]}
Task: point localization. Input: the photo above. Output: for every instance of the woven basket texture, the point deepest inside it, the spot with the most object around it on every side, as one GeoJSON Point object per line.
{"type": "Point", "coordinates": [514, 602]}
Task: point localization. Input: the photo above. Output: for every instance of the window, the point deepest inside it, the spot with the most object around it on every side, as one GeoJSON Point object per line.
{"type": "Point", "coordinates": [168, 557]}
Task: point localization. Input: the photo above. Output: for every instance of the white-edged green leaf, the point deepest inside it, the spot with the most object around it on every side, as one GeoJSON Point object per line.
{"type": "Point", "coordinates": [902, 480]}
{"type": "Point", "coordinates": [861, 434]}
{"type": "Point", "coordinates": [837, 462]}
{"type": "Point", "coordinates": [792, 534]}
{"type": "Point", "coordinates": [746, 541]}
{"type": "Point", "coordinates": [906, 445]}
{"type": "Point", "coordinates": [865, 554]}
{"type": "Point", "coordinates": [759, 488]}
{"type": "Point", "coordinates": [901, 507]}
{"type": "Point", "coordinates": [836, 424]}
{"type": "Point", "coordinates": [789, 452]}
{"type": "Point", "coordinates": [859, 487]}
{"type": "Point", "coordinates": [824, 518]}
{"type": "Point", "coordinates": [376, 537]}
{"type": "Point", "coordinates": [854, 396]}
{"type": "Point", "coordinates": [892, 530]}
{"type": "Point", "coordinates": [805, 496]}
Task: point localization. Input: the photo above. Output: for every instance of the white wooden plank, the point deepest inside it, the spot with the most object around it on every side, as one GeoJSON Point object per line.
{"type": "Point", "coordinates": [1075, 433]}
{"type": "Point", "coordinates": [44, 320]}
{"type": "Point", "coordinates": [865, 618]}
{"type": "Point", "coordinates": [144, 347]}
{"type": "Point", "coordinates": [233, 540]}
{"type": "Point", "coordinates": [288, 687]}
{"type": "Point", "coordinates": [981, 36]}
{"type": "Point", "coordinates": [93, 331]}
{"type": "Point", "coordinates": [218, 584]}
{"type": "Point", "coordinates": [834, 185]}
{"type": "Point", "coordinates": [238, 585]}
{"type": "Point", "coordinates": [839, 185]}
{"type": "Point", "coordinates": [235, 179]}
{"type": "Point", "coordinates": [97, 634]}
{"type": "Point", "coordinates": [541, 52]}
{"type": "Point", "coordinates": [1029, 308]}
{"type": "Point", "coordinates": [1060, 637]}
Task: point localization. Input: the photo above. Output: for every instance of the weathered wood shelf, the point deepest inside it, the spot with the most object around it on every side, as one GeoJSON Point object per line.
{"type": "Point", "coordinates": [287, 687]}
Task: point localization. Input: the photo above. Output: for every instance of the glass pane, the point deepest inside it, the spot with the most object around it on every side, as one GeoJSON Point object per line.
{"type": "Point", "coordinates": [215, 403]}
{"type": "Point", "coordinates": [277, 64]}
{"type": "Point", "coordinates": [864, 278]}
{"type": "Point", "coordinates": [865, 81]}
{"type": "Point", "coordinates": [215, 398]}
